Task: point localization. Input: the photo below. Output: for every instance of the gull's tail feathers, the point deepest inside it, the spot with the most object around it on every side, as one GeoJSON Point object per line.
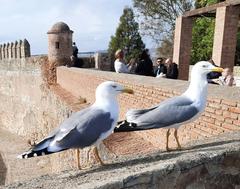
{"type": "Point", "coordinates": [125, 126]}
{"type": "Point", "coordinates": [39, 149]}
{"type": "Point", "coordinates": [134, 114]}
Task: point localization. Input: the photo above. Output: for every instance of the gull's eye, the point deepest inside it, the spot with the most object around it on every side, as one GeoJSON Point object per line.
{"type": "Point", "coordinates": [204, 66]}
{"type": "Point", "coordinates": [114, 86]}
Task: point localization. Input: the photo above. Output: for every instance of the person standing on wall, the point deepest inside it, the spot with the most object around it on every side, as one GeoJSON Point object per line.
{"type": "Point", "coordinates": [145, 65]}
{"type": "Point", "coordinates": [76, 62]}
{"type": "Point", "coordinates": [75, 50]}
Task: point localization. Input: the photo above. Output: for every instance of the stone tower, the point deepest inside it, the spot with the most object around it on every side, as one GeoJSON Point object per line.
{"type": "Point", "coordinates": [59, 44]}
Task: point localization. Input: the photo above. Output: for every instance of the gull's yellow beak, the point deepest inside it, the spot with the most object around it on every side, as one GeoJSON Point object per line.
{"type": "Point", "coordinates": [127, 90]}
{"type": "Point", "coordinates": [217, 69]}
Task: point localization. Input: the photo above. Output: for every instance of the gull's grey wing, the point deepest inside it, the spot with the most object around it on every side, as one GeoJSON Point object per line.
{"type": "Point", "coordinates": [170, 112]}
{"type": "Point", "coordinates": [83, 129]}
{"type": "Point", "coordinates": [66, 127]}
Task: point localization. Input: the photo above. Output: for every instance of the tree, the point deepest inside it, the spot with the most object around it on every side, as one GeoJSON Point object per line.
{"type": "Point", "coordinates": [157, 17]}
{"type": "Point", "coordinates": [127, 37]}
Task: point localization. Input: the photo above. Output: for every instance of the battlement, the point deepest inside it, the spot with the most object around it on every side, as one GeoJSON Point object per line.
{"type": "Point", "coordinates": [13, 50]}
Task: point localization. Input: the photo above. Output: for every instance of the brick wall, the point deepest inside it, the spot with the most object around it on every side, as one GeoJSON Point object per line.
{"type": "Point", "coordinates": [222, 113]}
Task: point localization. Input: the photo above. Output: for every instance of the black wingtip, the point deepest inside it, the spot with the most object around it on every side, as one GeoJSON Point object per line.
{"type": "Point", "coordinates": [125, 126]}
{"type": "Point", "coordinates": [31, 153]}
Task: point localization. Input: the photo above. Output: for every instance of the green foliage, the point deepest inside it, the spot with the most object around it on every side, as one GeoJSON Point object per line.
{"type": "Point", "coordinates": [204, 3]}
{"type": "Point", "coordinates": [202, 41]}
{"type": "Point", "coordinates": [127, 37]}
{"type": "Point", "coordinates": [203, 33]}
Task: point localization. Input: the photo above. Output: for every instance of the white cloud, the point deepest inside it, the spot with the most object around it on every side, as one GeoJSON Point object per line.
{"type": "Point", "coordinates": [93, 22]}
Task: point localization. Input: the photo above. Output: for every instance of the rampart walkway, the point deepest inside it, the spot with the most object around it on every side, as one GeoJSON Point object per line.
{"type": "Point", "coordinates": [212, 163]}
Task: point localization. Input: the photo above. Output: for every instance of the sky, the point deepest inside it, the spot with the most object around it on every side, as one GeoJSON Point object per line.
{"type": "Point", "coordinates": [93, 21]}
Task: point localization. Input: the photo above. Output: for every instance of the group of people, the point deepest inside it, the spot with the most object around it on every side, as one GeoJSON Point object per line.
{"type": "Point", "coordinates": [165, 68]}
{"type": "Point", "coordinates": [144, 66]}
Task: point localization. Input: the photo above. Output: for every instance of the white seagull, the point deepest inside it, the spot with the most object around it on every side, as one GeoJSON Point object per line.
{"type": "Point", "coordinates": [84, 128]}
{"type": "Point", "coordinates": [176, 111]}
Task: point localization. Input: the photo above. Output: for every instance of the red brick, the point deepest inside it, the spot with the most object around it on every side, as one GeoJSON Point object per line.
{"type": "Point", "coordinates": [229, 103]}
{"type": "Point", "coordinates": [234, 116]}
{"type": "Point", "coordinates": [211, 110]}
{"type": "Point", "coordinates": [214, 105]}
{"type": "Point", "coordinates": [230, 126]}
{"type": "Point", "coordinates": [228, 120]}
{"type": "Point", "coordinates": [219, 112]}
{"type": "Point", "coordinates": [216, 100]}
{"type": "Point", "coordinates": [234, 110]}
{"type": "Point", "coordinates": [218, 117]}
{"type": "Point", "coordinates": [236, 122]}
{"type": "Point", "coordinates": [226, 114]}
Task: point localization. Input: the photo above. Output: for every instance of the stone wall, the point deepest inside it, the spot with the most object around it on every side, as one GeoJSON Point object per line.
{"type": "Point", "coordinates": [222, 113]}
{"type": "Point", "coordinates": [30, 108]}
{"type": "Point", "coordinates": [18, 49]}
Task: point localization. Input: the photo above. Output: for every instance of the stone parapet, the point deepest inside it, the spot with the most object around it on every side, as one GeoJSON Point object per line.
{"type": "Point", "coordinates": [18, 49]}
{"type": "Point", "coordinates": [222, 113]}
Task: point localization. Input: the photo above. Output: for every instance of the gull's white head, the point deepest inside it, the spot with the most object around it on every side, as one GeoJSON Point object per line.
{"type": "Point", "coordinates": [110, 89]}
{"type": "Point", "coordinates": [203, 68]}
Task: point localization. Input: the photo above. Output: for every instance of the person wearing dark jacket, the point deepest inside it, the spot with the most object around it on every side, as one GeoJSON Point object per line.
{"type": "Point", "coordinates": [172, 69]}
{"type": "Point", "coordinates": [145, 65]}
{"type": "Point", "coordinates": [161, 68]}
{"type": "Point", "coordinates": [75, 50]}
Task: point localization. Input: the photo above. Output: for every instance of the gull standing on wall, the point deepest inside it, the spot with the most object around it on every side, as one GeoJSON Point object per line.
{"type": "Point", "coordinates": [84, 128]}
{"type": "Point", "coordinates": [176, 111]}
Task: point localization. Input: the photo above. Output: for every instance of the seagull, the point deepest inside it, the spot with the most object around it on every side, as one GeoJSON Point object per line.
{"type": "Point", "coordinates": [175, 111]}
{"type": "Point", "coordinates": [86, 127]}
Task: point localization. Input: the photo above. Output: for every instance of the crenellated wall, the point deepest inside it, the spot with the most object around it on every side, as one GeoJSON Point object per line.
{"type": "Point", "coordinates": [14, 50]}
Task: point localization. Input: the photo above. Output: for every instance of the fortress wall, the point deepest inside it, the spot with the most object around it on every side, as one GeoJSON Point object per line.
{"type": "Point", "coordinates": [32, 109]}
{"type": "Point", "coordinates": [21, 94]}
{"type": "Point", "coordinates": [222, 113]}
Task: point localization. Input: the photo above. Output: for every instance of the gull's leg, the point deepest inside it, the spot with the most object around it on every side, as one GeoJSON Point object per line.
{"type": "Point", "coordinates": [168, 133]}
{"type": "Point", "coordinates": [96, 154]}
{"type": "Point", "coordinates": [78, 158]}
{"type": "Point", "coordinates": [176, 137]}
